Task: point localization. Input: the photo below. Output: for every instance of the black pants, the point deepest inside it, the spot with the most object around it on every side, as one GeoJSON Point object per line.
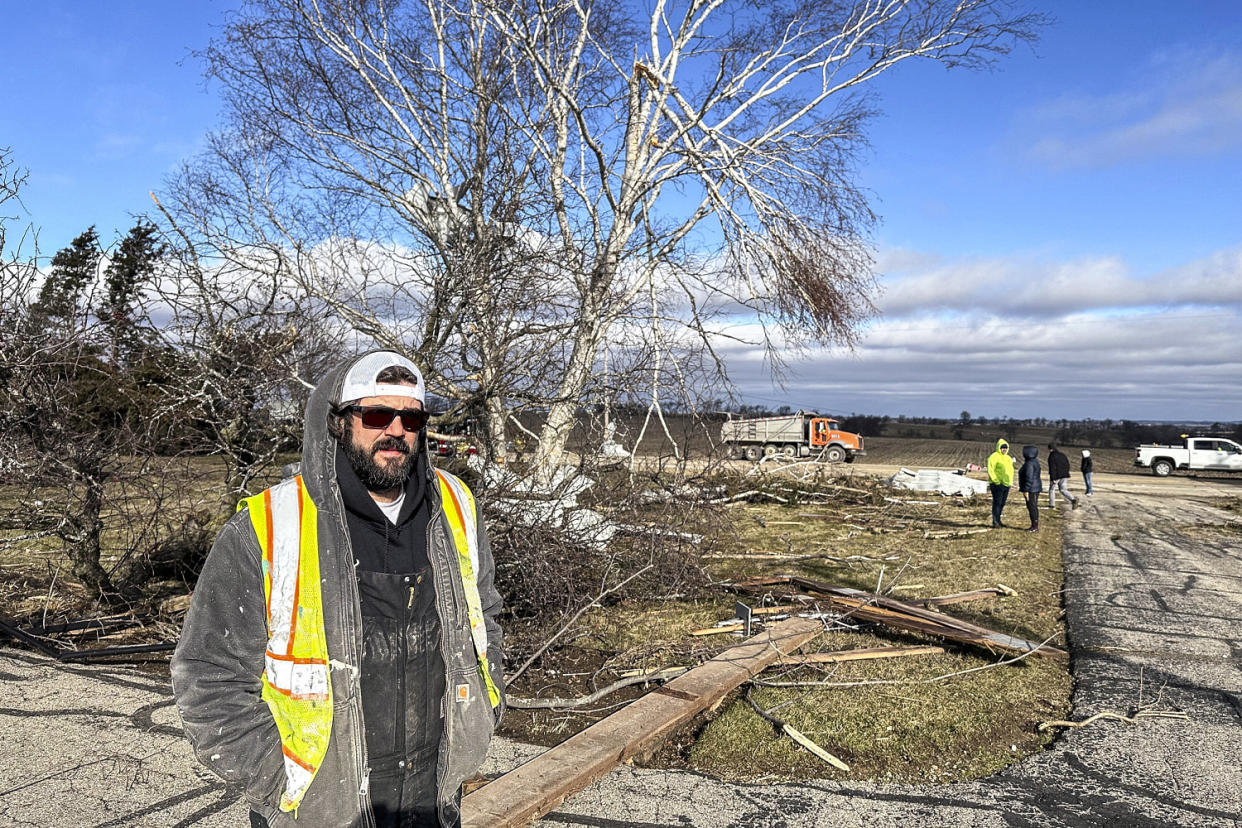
{"type": "Point", "coordinates": [257, 820]}
{"type": "Point", "coordinates": [1000, 494]}
{"type": "Point", "coordinates": [1032, 508]}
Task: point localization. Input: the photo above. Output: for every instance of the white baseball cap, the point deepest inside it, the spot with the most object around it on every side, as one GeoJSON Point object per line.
{"type": "Point", "coordinates": [360, 380]}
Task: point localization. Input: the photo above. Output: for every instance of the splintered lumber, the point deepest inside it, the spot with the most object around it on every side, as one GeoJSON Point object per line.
{"type": "Point", "coordinates": [723, 628]}
{"type": "Point", "coordinates": [535, 788]}
{"type": "Point", "coordinates": [879, 609]}
{"type": "Point", "coordinates": [859, 654]}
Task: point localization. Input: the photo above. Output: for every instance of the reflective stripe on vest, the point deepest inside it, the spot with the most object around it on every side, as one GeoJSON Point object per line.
{"type": "Point", "coordinates": [296, 683]}
{"type": "Point", "coordinates": [459, 508]}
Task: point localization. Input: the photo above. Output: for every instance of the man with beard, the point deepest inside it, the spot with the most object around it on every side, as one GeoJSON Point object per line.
{"type": "Point", "coordinates": [341, 658]}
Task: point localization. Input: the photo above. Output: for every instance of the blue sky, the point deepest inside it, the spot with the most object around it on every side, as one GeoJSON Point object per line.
{"type": "Point", "coordinates": [1059, 237]}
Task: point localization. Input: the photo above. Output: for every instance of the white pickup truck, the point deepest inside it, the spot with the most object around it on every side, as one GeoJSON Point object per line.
{"type": "Point", "coordinates": [1199, 453]}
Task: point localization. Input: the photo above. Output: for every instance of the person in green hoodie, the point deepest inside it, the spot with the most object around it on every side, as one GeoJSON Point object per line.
{"type": "Point", "coordinates": [1000, 480]}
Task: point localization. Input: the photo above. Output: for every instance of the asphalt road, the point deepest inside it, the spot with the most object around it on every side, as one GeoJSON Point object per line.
{"type": "Point", "coordinates": [1154, 604]}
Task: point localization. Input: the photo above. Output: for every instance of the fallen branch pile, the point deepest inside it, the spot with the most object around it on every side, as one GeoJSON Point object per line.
{"type": "Point", "coordinates": [40, 639]}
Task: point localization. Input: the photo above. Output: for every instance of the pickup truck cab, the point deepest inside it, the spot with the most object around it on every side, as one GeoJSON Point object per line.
{"type": "Point", "coordinates": [1199, 454]}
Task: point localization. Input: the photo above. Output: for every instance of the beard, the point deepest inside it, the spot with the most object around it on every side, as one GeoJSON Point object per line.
{"type": "Point", "coordinates": [377, 476]}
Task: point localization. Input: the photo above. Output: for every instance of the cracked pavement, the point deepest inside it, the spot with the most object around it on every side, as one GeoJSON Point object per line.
{"type": "Point", "coordinates": [1153, 602]}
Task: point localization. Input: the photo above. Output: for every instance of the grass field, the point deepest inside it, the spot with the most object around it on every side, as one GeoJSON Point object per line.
{"type": "Point", "coordinates": [953, 454]}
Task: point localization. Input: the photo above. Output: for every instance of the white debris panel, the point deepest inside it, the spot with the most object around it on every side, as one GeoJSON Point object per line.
{"type": "Point", "coordinates": [937, 480]}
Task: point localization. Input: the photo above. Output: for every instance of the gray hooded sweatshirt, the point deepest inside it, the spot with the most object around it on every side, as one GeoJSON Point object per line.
{"type": "Point", "coordinates": [220, 657]}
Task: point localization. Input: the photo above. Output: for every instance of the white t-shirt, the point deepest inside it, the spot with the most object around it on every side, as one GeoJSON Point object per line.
{"type": "Point", "coordinates": [392, 510]}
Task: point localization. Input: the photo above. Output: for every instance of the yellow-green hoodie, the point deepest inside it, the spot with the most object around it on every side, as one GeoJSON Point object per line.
{"type": "Point", "coordinates": [1000, 466]}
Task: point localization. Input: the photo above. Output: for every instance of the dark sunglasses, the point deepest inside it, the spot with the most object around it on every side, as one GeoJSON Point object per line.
{"type": "Point", "coordinates": [380, 416]}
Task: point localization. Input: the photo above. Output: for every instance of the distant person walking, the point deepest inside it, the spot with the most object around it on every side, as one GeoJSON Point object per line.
{"type": "Point", "coordinates": [1031, 483]}
{"type": "Point", "coordinates": [1087, 464]}
{"type": "Point", "coordinates": [1000, 480]}
{"type": "Point", "coordinates": [1058, 473]}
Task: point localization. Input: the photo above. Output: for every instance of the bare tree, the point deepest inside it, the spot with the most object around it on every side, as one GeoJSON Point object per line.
{"type": "Point", "coordinates": [11, 180]}
{"type": "Point", "coordinates": [77, 412]}
{"type": "Point", "coordinates": [541, 175]}
{"type": "Point", "coordinates": [248, 349]}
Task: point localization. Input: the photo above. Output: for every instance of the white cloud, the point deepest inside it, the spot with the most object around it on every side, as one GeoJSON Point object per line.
{"type": "Point", "coordinates": [1019, 337]}
{"type": "Point", "coordinates": [1025, 287]}
{"type": "Point", "coordinates": [1184, 104]}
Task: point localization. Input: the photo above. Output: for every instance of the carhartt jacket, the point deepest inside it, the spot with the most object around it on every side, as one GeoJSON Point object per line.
{"type": "Point", "coordinates": [217, 666]}
{"type": "Point", "coordinates": [1000, 466]}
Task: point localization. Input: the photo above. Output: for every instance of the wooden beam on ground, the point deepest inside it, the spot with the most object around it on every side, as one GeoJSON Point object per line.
{"type": "Point", "coordinates": [859, 654]}
{"type": "Point", "coordinates": [535, 788]}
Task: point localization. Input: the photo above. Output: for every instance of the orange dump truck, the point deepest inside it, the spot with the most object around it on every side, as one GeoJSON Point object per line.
{"type": "Point", "coordinates": [801, 434]}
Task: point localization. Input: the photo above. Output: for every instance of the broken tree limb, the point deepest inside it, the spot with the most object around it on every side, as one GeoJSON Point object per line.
{"type": "Point", "coordinates": [1142, 714]}
{"type": "Point", "coordinates": [535, 788]}
{"type": "Point", "coordinates": [747, 495]}
{"type": "Point", "coordinates": [591, 698]}
{"type": "Point", "coordinates": [782, 726]}
{"type": "Point", "coordinates": [972, 595]}
{"type": "Point", "coordinates": [877, 682]}
{"type": "Point", "coordinates": [543, 648]}
{"type": "Point", "coordinates": [957, 533]}
{"type": "Point", "coordinates": [860, 654]}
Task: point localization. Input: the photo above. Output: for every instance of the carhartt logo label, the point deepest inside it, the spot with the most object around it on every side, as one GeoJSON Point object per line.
{"type": "Point", "coordinates": [463, 693]}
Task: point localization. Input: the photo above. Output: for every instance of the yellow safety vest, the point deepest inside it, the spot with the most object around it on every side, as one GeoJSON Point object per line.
{"type": "Point", "coordinates": [296, 681]}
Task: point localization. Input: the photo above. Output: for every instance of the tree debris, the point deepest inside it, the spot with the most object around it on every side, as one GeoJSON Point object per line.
{"type": "Point", "coordinates": [1119, 717]}
{"type": "Point", "coordinates": [781, 726]}
{"type": "Point", "coordinates": [860, 654]}
{"type": "Point", "coordinates": [972, 595]}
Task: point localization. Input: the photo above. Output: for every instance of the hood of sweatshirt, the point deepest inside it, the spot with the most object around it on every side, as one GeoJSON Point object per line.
{"type": "Point", "coordinates": [1030, 452]}
{"type": "Point", "coordinates": [1001, 443]}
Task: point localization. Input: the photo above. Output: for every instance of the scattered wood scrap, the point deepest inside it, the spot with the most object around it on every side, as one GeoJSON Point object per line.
{"type": "Point", "coordinates": [879, 609]}
{"type": "Point", "coordinates": [535, 788]}
{"type": "Point", "coordinates": [718, 630]}
{"type": "Point", "coordinates": [860, 654]}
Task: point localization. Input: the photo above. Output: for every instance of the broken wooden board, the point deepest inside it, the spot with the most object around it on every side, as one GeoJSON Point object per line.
{"type": "Point", "coordinates": [535, 788]}
{"type": "Point", "coordinates": [860, 654]}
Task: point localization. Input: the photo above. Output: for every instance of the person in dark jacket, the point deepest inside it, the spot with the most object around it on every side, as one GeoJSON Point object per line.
{"type": "Point", "coordinates": [385, 700]}
{"type": "Point", "coordinates": [1058, 475]}
{"type": "Point", "coordinates": [1087, 466]}
{"type": "Point", "coordinates": [1031, 483]}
